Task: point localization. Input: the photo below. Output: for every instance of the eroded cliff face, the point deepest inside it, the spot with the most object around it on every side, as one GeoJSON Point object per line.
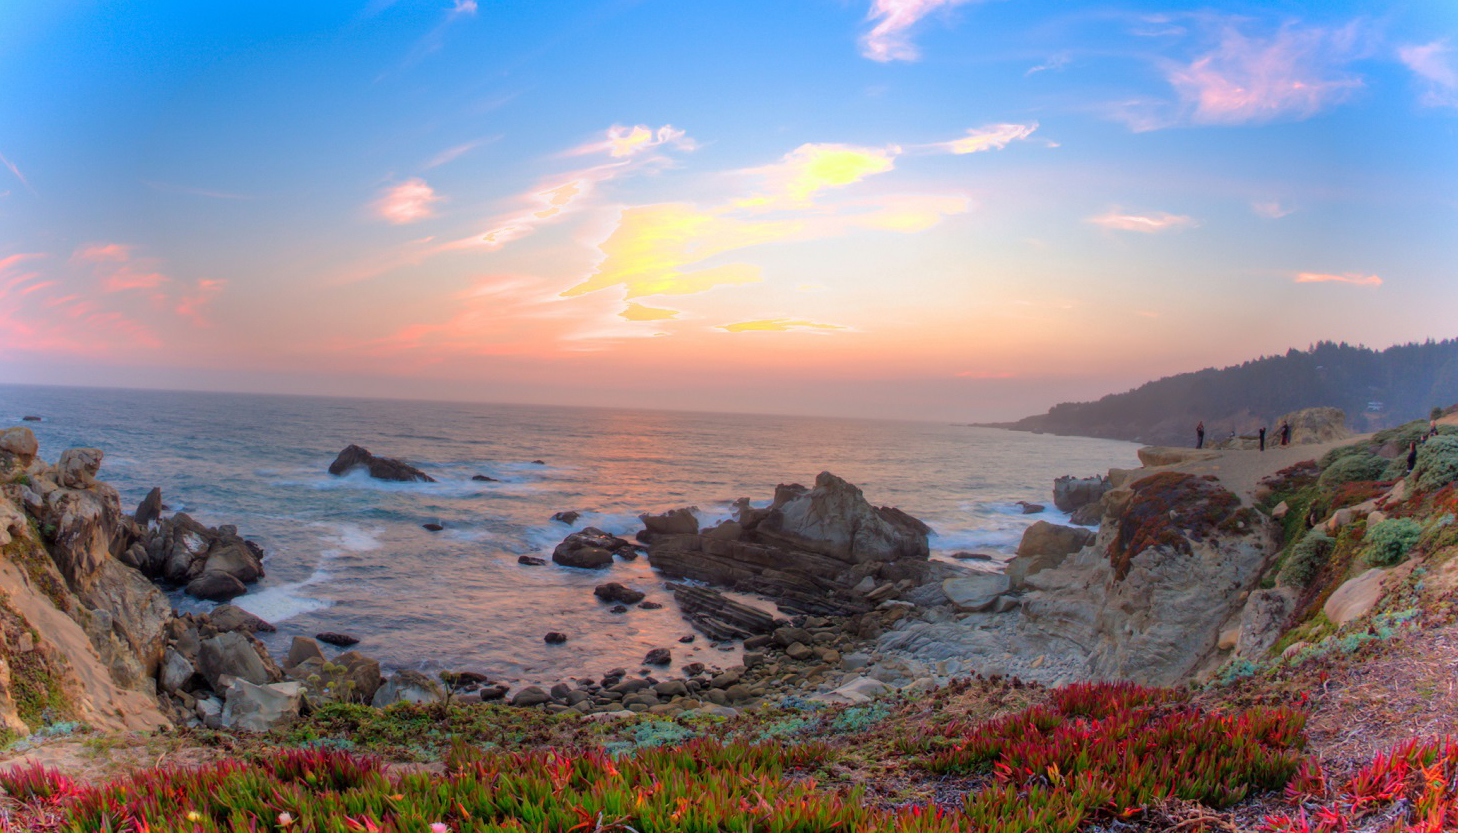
{"type": "Point", "coordinates": [83, 633]}
{"type": "Point", "coordinates": [1174, 559]}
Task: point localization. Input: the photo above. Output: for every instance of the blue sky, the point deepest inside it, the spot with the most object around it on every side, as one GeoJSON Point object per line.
{"type": "Point", "coordinates": [915, 208]}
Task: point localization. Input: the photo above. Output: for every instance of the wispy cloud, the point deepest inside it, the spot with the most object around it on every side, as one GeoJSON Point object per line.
{"type": "Point", "coordinates": [1054, 63]}
{"type": "Point", "coordinates": [1271, 209]}
{"type": "Point", "coordinates": [1146, 223]}
{"type": "Point", "coordinates": [890, 37]}
{"type": "Point", "coordinates": [118, 268]}
{"type": "Point", "coordinates": [194, 305]}
{"type": "Point", "coordinates": [1294, 73]}
{"type": "Point", "coordinates": [1354, 278]}
{"type": "Point", "coordinates": [1432, 63]}
{"type": "Point", "coordinates": [455, 152]}
{"type": "Point", "coordinates": [16, 172]}
{"type": "Point", "coordinates": [409, 202]}
{"type": "Point", "coordinates": [778, 325]}
{"type": "Point", "coordinates": [990, 137]}
{"type": "Point", "coordinates": [622, 142]}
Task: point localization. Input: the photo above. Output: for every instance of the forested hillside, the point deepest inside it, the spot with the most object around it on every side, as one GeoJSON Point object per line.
{"type": "Point", "coordinates": [1377, 389]}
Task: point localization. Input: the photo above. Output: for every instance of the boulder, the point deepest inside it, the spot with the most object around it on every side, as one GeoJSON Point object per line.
{"type": "Point", "coordinates": [233, 618]}
{"type": "Point", "coordinates": [301, 650]}
{"type": "Point", "coordinates": [590, 548]}
{"type": "Point", "coordinates": [407, 687]}
{"type": "Point", "coordinates": [1070, 493]}
{"type": "Point", "coordinates": [615, 592]}
{"type": "Point", "coordinates": [236, 557]}
{"type": "Point", "coordinates": [150, 509]}
{"type": "Point", "coordinates": [138, 612]}
{"type": "Point", "coordinates": [568, 517]}
{"type": "Point", "coordinates": [258, 708]}
{"type": "Point", "coordinates": [658, 656]}
{"type": "Point", "coordinates": [1044, 545]}
{"type": "Point", "coordinates": [177, 672]}
{"type": "Point", "coordinates": [359, 680]}
{"type": "Point", "coordinates": [531, 560]}
{"type": "Point", "coordinates": [380, 468]}
{"type": "Point", "coordinates": [856, 690]}
{"type": "Point", "coordinates": [481, 478]}
{"type": "Point", "coordinates": [554, 638]}
{"type": "Point", "coordinates": [530, 696]}
{"type": "Point", "coordinates": [834, 519]}
{"type": "Point", "coordinates": [1088, 514]}
{"type": "Point", "coordinates": [1266, 616]}
{"type": "Point", "coordinates": [234, 655]}
{"type": "Point", "coordinates": [674, 522]}
{"type": "Point", "coordinates": [19, 444]}
{"type": "Point", "coordinates": [77, 467]}
{"type": "Point", "coordinates": [1031, 508]}
{"type": "Point", "coordinates": [343, 640]}
{"type": "Point", "coordinates": [1357, 596]}
{"type": "Point", "coordinates": [215, 586]}
{"type": "Point", "coordinates": [1312, 425]}
{"type": "Point", "coordinates": [977, 591]}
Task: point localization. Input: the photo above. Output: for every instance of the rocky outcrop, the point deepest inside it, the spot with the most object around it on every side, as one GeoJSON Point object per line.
{"type": "Point", "coordinates": [810, 550]}
{"type": "Point", "coordinates": [1154, 456]}
{"type": "Point", "coordinates": [1312, 425]}
{"type": "Point", "coordinates": [1070, 493]}
{"type": "Point", "coordinates": [1045, 545]}
{"type": "Point", "coordinates": [380, 468]}
{"type": "Point", "coordinates": [212, 563]}
{"type": "Point", "coordinates": [592, 548]}
{"type": "Point", "coordinates": [720, 617]}
{"type": "Point", "coordinates": [674, 522]}
{"type": "Point", "coordinates": [1146, 601]}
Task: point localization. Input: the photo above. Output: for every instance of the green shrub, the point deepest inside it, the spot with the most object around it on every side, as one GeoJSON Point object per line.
{"type": "Point", "coordinates": [1360, 465]}
{"type": "Point", "coordinates": [1437, 463]}
{"type": "Point", "coordinates": [1329, 459]}
{"type": "Point", "coordinates": [1388, 541]}
{"type": "Point", "coordinates": [1306, 558]}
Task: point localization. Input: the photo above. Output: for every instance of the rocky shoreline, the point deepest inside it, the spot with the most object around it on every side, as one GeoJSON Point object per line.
{"type": "Point", "coordinates": [860, 607]}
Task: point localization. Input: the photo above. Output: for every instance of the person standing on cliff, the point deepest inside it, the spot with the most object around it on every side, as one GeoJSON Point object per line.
{"type": "Point", "coordinates": [1263, 438]}
{"type": "Point", "coordinates": [1200, 435]}
{"type": "Point", "coordinates": [1285, 434]}
{"type": "Point", "coordinates": [1411, 455]}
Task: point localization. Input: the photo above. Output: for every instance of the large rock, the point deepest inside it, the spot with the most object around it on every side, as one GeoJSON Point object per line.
{"type": "Point", "coordinates": [137, 610]}
{"type": "Point", "coordinates": [234, 655]}
{"type": "Point", "coordinates": [976, 591]}
{"type": "Point", "coordinates": [809, 550]}
{"type": "Point", "coordinates": [1312, 425]}
{"type": "Point", "coordinates": [1044, 546]}
{"type": "Point", "coordinates": [249, 707]}
{"type": "Point", "coordinates": [150, 509]}
{"type": "Point", "coordinates": [1266, 616]}
{"type": "Point", "coordinates": [1071, 493]}
{"type": "Point", "coordinates": [1146, 602]}
{"type": "Point", "coordinates": [380, 468]}
{"type": "Point", "coordinates": [215, 586]}
{"type": "Point", "coordinates": [591, 548]}
{"type": "Point", "coordinates": [1356, 597]}
{"type": "Point", "coordinates": [673, 522]}
{"type": "Point", "coordinates": [234, 618]}
{"type": "Point", "coordinates": [18, 442]}
{"type": "Point", "coordinates": [835, 519]}
{"type": "Point", "coordinates": [77, 467]}
{"type": "Point", "coordinates": [407, 687]}
{"type": "Point", "coordinates": [182, 551]}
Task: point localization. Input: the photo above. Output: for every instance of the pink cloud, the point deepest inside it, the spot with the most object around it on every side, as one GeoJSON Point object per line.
{"type": "Point", "coordinates": [193, 306]}
{"type": "Point", "coordinates": [103, 253]}
{"type": "Point", "coordinates": [118, 269]}
{"type": "Point", "coordinates": [1271, 209]}
{"type": "Point", "coordinates": [16, 172]}
{"type": "Point", "coordinates": [1145, 223]}
{"type": "Point", "coordinates": [890, 38]}
{"type": "Point", "coordinates": [991, 137]}
{"type": "Point", "coordinates": [1292, 74]}
{"type": "Point", "coordinates": [623, 142]}
{"type": "Point", "coordinates": [1354, 278]}
{"type": "Point", "coordinates": [408, 202]}
{"type": "Point", "coordinates": [1431, 63]}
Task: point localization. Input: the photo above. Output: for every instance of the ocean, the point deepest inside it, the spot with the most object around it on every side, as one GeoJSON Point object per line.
{"type": "Point", "coordinates": [349, 554]}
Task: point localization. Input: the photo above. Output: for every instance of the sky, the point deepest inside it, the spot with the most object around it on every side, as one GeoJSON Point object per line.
{"type": "Point", "coordinates": [921, 209]}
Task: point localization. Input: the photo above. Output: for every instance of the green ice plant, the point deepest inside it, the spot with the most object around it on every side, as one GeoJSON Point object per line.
{"type": "Point", "coordinates": [1388, 541]}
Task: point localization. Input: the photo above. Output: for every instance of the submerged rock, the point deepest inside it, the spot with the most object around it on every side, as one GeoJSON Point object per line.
{"type": "Point", "coordinates": [343, 640]}
{"type": "Point", "coordinates": [380, 468]}
{"type": "Point", "coordinates": [590, 548]}
{"type": "Point", "coordinates": [615, 592]}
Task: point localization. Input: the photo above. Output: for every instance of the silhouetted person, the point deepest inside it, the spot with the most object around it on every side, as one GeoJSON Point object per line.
{"type": "Point", "coordinates": [1411, 455]}
{"type": "Point", "coordinates": [1285, 433]}
{"type": "Point", "coordinates": [1200, 435]}
{"type": "Point", "coordinates": [1263, 438]}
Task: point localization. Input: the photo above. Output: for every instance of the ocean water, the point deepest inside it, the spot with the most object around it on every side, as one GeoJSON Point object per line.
{"type": "Point", "coordinates": [349, 553]}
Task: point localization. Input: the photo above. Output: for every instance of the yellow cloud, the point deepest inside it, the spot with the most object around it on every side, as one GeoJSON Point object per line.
{"type": "Point", "coordinates": [653, 245]}
{"type": "Point", "coordinates": [638, 312]}
{"type": "Point", "coordinates": [811, 168]}
{"type": "Point", "coordinates": [778, 325]}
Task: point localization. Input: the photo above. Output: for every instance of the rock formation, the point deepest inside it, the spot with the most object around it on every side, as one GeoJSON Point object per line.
{"type": "Point", "coordinates": [592, 548]}
{"type": "Point", "coordinates": [811, 550]}
{"type": "Point", "coordinates": [380, 468]}
{"type": "Point", "coordinates": [1312, 425]}
{"type": "Point", "coordinates": [1071, 493]}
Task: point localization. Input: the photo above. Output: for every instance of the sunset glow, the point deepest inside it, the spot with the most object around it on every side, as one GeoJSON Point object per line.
{"type": "Point", "coordinates": [985, 208]}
